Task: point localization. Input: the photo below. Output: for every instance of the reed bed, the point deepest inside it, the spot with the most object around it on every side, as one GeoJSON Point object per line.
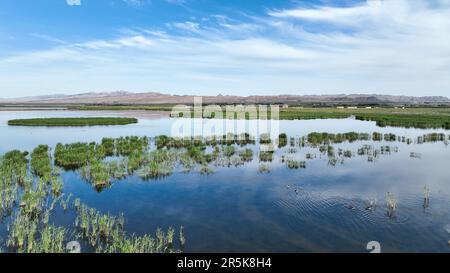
{"type": "Point", "coordinates": [266, 156]}
{"type": "Point", "coordinates": [105, 233]}
{"type": "Point", "coordinates": [229, 139]}
{"type": "Point", "coordinates": [246, 155]}
{"type": "Point", "coordinates": [383, 116]}
{"type": "Point", "coordinates": [75, 122]}
{"type": "Point", "coordinates": [41, 164]}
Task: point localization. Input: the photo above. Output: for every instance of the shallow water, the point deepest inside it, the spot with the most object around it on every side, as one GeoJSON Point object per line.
{"type": "Point", "coordinates": [317, 209]}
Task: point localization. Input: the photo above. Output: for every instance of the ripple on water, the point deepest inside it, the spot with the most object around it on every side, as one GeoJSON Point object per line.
{"type": "Point", "coordinates": [350, 219]}
{"type": "Point", "coordinates": [352, 215]}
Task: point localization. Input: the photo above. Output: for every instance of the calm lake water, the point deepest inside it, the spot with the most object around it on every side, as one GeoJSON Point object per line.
{"type": "Point", "coordinates": [321, 208]}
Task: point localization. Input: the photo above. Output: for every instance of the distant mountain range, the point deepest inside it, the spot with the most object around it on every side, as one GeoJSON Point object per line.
{"type": "Point", "coordinates": [149, 98]}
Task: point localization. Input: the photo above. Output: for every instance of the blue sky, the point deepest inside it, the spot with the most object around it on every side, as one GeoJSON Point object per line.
{"type": "Point", "coordinates": [236, 47]}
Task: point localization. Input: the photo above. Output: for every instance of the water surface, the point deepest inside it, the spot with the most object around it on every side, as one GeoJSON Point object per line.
{"type": "Point", "coordinates": [321, 208]}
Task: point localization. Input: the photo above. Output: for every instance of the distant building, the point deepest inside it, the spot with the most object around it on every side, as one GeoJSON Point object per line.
{"type": "Point", "coordinates": [340, 107]}
{"type": "Point", "coordinates": [285, 106]}
{"type": "Point", "coordinates": [368, 107]}
{"type": "Point", "coordinates": [352, 107]}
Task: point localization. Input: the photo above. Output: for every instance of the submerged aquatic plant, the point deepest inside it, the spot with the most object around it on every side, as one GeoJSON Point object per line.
{"type": "Point", "coordinates": [264, 168]}
{"type": "Point", "coordinates": [426, 197]}
{"type": "Point", "coordinates": [206, 170]}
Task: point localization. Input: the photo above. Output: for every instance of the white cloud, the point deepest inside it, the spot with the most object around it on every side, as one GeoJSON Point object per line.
{"type": "Point", "coordinates": [188, 26]}
{"type": "Point", "coordinates": [73, 2]}
{"type": "Point", "coordinates": [345, 15]}
{"type": "Point", "coordinates": [398, 47]}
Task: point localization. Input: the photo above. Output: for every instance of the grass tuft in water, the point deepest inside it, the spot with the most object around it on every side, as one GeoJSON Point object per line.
{"type": "Point", "coordinates": [391, 204]}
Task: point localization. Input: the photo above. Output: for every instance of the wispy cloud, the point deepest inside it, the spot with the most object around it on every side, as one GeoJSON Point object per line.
{"type": "Point", "coordinates": [340, 15]}
{"type": "Point", "coordinates": [188, 26]}
{"type": "Point", "coordinates": [398, 47]}
{"type": "Point", "coordinates": [48, 38]}
{"type": "Point", "coordinates": [73, 2]}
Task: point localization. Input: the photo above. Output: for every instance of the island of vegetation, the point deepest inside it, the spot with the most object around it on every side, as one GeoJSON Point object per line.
{"type": "Point", "coordinates": [383, 116]}
{"type": "Point", "coordinates": [59, 122]}
{"type": "Point", "coordinates": [402, 116]}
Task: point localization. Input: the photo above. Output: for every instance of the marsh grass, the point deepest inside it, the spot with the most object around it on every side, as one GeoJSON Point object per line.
{"type": "Point", "coordinates": [96, 173]}
{"type": "Point", "coordinates": [126, 146]}
{"type": "Point", "coordinates": [229, 151]}
{"type": "Point", "coordinates": [265, 139]}
{"type": "Point", "coordinates": [295, 164]}
{"type": "Point", "coordinates": [156, 170]}
{"type": "Point", "coordinates": [35, 199]}
{"type": "Point", "coordinates": [41, 162]}
{"type": "Point", "coordinates": [29, 230]}
{"type": "Point", "coordinates": [30, 190]}
{"type": "Point", "coordinates": [105, 233]}
{"type": "Point", "coordinates": [246, 155]}
{"type": "Point", "coordinates": [75, 122]}
{"type": "Point", "coordinates": [75, 155]}
{"type": "Point", "coordinates": [13, 176]}
{"type": "Point", "coordinates": [200, 142]}
{"type": "Point", "coordinates": [431, 117]}
{"type": "Point", "coordinates": [13, 167]}
{"type": "Point", "coordinates": [26, 237]}
{"type": "Point", "coordinates": [282, 140]}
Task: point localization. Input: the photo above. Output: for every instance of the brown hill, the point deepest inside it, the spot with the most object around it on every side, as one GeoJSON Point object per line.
{"type": "Point", "coordinates": [149, 98]}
